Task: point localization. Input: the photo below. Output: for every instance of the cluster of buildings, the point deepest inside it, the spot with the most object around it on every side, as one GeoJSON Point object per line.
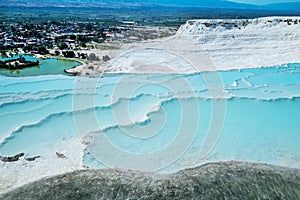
{"type": "Point", "coordinates": [63, 37]}
{"type": "Point", "coordinates": [51, 34]}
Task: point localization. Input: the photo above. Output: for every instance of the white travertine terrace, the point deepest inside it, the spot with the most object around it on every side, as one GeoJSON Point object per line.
{"type": "Point", "coordinates": [207, 45]}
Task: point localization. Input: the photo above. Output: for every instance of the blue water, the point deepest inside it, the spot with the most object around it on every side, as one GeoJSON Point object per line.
{"type": "Point", "coordinates": [157, 122]}
{"type": "Point", "coordinates": [49, 66]}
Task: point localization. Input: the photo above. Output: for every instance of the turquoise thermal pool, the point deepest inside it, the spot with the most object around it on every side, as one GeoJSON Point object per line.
{"type": "Point", "coordinates": [46, 66]}
{"type": "Point", "coordinates": [156, 121]}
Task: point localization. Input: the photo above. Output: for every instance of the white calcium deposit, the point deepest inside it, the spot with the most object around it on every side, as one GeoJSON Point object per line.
{"type": "Point", "coordinates": [206, 45]}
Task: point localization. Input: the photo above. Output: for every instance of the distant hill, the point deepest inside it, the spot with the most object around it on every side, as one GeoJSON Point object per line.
{"type": "Point", "coordinates": [284, 6]}
{"type": "Point", "coordinates": [93, 3]}
{"type": "Point", "coordinates": [179, 3]}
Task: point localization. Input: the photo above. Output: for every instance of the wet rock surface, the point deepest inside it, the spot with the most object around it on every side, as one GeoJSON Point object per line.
{"type": "Point", "coordinates": [11, 158]}
{"type": "Point", "coordinates": [224, 180]}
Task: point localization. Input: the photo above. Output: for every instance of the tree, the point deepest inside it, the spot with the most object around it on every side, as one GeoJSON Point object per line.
{"type": "Point", "coordinates": [73, 37]}
{"type": "Point", "coordinates": [89, 27]}
{"type": "Point", "coordinates": [57, 53]}
{"type": "Point", "coordinates": [82, 38]}
{"type": "Point", "coordinates": [42, 50]}
{"type": "Point", "coordinates": [93, 57]}
{"type": "Point", "coordinates": [83, 55]}
{"type": "Point", "coordinates": [69, 54]}
{"type": "Point", "coordinates": [3, 53]}
{"type": "Point", "coordinates": [105, 58]}
{"type": "Point", "coordinates": [28, 48]}
{"type": "Point", "coordinates": [63, 46]}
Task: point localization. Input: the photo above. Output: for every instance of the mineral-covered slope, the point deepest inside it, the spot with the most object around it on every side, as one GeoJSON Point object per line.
{"type": "Point", "coordinates": [208, 45]}
{"type": "Point", "coordinates": [243, 43]}
{"type": "Point", "coordinates": [231, 180]}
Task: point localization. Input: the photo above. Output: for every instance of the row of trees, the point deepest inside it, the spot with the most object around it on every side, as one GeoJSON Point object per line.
{"type": "Point", "coordinates": [90, 57]}
{"type": "Point", "coordinates": [93, 57]}
{"type": "Point", "coordinates": [67, 54]}
{"type": "Point", "coordinates": [40, 49]}
{"type": "Point", "coordinates": [99, 37]}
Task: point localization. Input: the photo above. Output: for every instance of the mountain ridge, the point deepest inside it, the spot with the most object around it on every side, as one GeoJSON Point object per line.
{"type": "Point", "coordinates": [136, 3]}
{"type": "Point", "coordinates": [284, 6]}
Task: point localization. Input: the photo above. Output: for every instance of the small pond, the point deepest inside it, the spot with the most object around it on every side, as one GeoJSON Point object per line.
{"type": "Point", "coordinates": [48, 66]}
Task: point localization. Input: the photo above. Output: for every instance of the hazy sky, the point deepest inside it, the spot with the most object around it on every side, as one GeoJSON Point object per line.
{"type": "Point", "coordinates": [260, 2]}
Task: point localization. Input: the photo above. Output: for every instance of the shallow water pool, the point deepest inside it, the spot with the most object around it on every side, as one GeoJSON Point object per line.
{"type": "Point", "coordinates": [157, 122]}
{"type": "Point", "coordinates": [47, 66]}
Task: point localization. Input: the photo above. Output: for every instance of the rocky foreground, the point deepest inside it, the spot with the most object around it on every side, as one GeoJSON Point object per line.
{"type": "Point", "coordinates": [224, 180]}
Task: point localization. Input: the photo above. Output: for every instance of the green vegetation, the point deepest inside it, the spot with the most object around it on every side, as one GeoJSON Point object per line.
{"type": "Point", "coordinates": [154, 16]}
{"type": "Point", "coordinates": [92, 57]}
{"type": "Point", "coordinates": [105, 47]}
{"type": "Point", "coordinates": [105, 58]}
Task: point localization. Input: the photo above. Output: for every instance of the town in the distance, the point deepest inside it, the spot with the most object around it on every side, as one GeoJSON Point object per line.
{"type": "Point", "coordinates": [70, 39]}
